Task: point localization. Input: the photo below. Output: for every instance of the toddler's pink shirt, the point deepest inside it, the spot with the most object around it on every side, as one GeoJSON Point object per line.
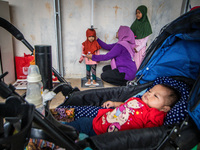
{"type": "Point", "coordinates": [89, 61]}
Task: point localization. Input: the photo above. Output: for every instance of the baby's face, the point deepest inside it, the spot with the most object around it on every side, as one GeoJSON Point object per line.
{"type": "Point", "coordinates": [138, 14]}
{"type": "Point", "coordinates": [91, 38]}
{"type": "Point", "coordinates": [156, 97]}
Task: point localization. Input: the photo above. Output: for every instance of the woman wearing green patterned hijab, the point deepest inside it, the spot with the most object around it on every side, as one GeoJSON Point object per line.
{"type": "Point", "coordinates": [141, 27]}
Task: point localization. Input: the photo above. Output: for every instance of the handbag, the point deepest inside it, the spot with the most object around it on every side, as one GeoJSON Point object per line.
{"type": "Point", "coordinates": [22, 64]}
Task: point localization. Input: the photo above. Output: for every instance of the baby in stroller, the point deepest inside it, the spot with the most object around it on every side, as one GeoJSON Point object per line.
{"type": "Point", "coordinates": [135, 113]}
{"type": "Point", "coordinates": [174, 91]}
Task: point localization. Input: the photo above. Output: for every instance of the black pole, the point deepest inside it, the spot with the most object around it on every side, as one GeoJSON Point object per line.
{"type": "Point", "coordinates": [44, 62]}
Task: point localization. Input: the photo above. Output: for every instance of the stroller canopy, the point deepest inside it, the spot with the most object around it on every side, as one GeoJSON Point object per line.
{"type": "Point", "coordinates": [175, 52]}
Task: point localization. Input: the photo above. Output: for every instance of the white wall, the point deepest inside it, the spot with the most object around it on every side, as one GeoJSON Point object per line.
{"type": "Point", "coordinates": [6, 47]}
{"type": "Point", "coordinates": [35, 19]}
{"type": "Point", "coordinates": [108, 16]}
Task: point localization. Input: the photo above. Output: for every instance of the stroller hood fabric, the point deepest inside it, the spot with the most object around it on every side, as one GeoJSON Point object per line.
{"type": "Point", "coordinates": [175, 52]}
{"type": "Point", "coordinates": [178, 56]}
{"type": "Point", "coordinates": [194, 103]}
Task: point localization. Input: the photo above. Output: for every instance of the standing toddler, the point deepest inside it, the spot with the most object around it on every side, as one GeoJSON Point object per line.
{"type": "Point", "coordinates": [90, 46]}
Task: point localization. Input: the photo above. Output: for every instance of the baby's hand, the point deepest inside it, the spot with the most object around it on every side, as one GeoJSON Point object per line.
{"type": "Point", "coordinates": [108, 104]}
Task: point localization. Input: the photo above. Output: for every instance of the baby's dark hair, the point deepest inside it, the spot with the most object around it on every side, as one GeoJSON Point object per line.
{"type": "Point", "coordinates": [174, 96]}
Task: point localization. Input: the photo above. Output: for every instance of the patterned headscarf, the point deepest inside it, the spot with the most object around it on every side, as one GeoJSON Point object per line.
{"type": "Point", "coordinates": [141, 28]}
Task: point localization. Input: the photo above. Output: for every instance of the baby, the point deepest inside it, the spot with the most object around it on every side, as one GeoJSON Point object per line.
{"type": "Point", "coordinates": [135, 113]}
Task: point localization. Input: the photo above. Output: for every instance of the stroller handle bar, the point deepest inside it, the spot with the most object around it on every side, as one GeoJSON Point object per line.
{"type": "Point", "coordinates": [18, 35]}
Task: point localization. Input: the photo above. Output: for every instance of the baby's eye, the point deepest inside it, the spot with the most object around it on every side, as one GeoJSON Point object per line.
{"type": "Point", "coordinates": [156, 96]}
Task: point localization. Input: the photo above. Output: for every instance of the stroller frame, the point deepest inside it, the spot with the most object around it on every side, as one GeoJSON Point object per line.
{"type": "Point", "coordinates": [49, 129]}
{"type": "Point", "coordinates": [169, 136]}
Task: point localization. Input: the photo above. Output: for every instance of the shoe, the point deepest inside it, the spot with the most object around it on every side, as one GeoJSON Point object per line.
{"type": "Point", "coordinates": [87, 84]}
{"type": "Point", "coordinates": [96, 84]}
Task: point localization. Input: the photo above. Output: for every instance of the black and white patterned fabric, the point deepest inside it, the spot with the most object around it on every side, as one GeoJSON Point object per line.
{"type": "Point", "coordinates": [84, 111]}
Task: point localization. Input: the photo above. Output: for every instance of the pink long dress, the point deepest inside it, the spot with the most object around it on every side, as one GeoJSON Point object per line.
{"type": "Point", "coordinates": [141, 50]}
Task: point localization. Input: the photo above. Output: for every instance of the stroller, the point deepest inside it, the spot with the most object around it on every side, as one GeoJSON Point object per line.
{"type": "Point", "coordinates": [173, 56]}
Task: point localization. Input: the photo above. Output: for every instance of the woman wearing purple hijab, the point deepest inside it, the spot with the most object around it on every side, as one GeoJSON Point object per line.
{"type": "Point", "coordinates": [122, 68]}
